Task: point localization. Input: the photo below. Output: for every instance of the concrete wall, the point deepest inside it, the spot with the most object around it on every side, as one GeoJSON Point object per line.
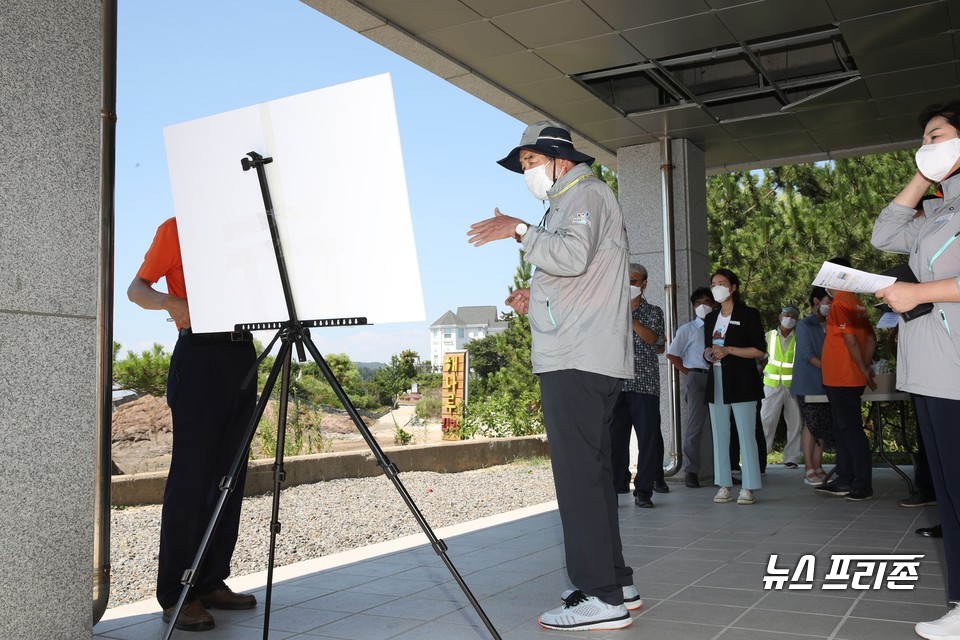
{"type": "Point", "coordinates": [449, 457]}
{"type": "Point", "coordinates": [49, 206]}
{"type": "Point", "coordinates": [641, 198]}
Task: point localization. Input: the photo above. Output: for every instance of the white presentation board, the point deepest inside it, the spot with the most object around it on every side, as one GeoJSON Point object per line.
{"type": "Point", "coordinates": [340, 196]}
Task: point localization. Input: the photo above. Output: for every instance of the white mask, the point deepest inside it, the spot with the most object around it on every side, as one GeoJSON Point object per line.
{"type": "Point", "coordinates": [537, 181]}
{"type": "Point", "coordinates": [824, 309]}
{"type": "Point", "coordinates": [935, 160]}
{"type": "Point", "coordinates": [788, 322]}
{"type": "Point", "coordinates": [635, 291]}
{"type": "Point", "coordinates": [720, 292]}
{"type": "Point", "coordinates": [703, 310]}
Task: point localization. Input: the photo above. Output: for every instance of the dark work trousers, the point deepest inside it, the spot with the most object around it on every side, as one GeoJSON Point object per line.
{"type": "Point", "coordinates": [854, 466]}
{"type": "Point", "coordinates": [577, 412]}
{"type": "Point", "coordinates": [641, 411]}
{"type": "Point", "coordinates": [922, 479]}
{"type": "Point", "coordinates": [210, 415]}
{"type": "Point", "coordinates": [694, 395]}
{"type": "Point", "coordinates": [939, 420]}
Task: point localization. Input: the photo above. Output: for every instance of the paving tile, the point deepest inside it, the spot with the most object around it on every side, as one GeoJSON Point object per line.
{"type": "Point", "coordinates": [705, 614]}
{"type": "Point", "coordinates": [862, 629]}
{"type": "Point", "coordinates": [365, 627]}
{"type": "Point", "coordinates": [718, 595]}
{"type": "Point", "coordinates": [788, 622]}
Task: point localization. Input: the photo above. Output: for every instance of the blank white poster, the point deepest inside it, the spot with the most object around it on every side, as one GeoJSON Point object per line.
{"type": "Point", "coordinates": [339, 193]}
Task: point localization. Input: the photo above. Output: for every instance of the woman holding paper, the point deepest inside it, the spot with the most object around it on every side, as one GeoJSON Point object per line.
{"type": "Point", "coordinates": [928, 353]}
{"type": "Point", "coordinates": [735, 340]}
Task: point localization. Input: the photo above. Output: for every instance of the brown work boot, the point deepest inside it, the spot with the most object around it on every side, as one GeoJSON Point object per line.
{"type": "Point", "coordinates": [193, 617]}
{"type": "Point", "coordinates": [224, 598]}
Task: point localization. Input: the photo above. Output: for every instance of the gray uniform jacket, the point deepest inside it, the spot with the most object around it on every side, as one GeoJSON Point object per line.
{"type": "Point", "coordinates": [928, 349]}
{"type": "Point", "coordinates": [580, 293]}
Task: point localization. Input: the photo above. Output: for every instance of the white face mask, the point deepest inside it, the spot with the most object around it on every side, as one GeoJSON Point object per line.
{"type": "Point", "coordinates": [824, 309]}
{"type": "Point", "coordinates": [720, 292]}
{"type": "Point", "coordinates": [703, 310]}
{"type": "Point", "coordinates": [537, 181]}
{"type": "Point", "coordinates": [635, 291]}
{"type": "Point", "coordinates": [935, 160]}
{"type": "Point", "coordinates": [788, 322]}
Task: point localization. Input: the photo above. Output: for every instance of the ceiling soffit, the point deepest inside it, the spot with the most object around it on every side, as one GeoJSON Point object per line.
{"type": "Point", "coordinates": [825, 78]}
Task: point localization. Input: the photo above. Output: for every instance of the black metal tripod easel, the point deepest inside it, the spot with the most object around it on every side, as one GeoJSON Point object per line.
{"type": "Point", "coordinates": [296, 333]}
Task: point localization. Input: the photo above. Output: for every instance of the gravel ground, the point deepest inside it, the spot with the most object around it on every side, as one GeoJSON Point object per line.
{"type": "Point", "coordinates": [328, 517]}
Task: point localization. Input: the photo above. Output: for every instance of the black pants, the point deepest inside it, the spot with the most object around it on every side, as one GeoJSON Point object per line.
{"type": "Point", "coordinates": [854, 466]}
{"type": "Point", "coordinates": [922, 479]}
{"type": "Point", "coordinates": [210, 415]}
{"type": "Point", "coordinates": [577, 412]}
{"type": "Point", "coordinates": [939, 420]}
{"type": "Point", "coordinates": [641, 411]}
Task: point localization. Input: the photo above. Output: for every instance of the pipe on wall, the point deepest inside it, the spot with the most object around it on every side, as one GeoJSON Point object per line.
{"type": "Point", "coordinates": [103, 466]}
{"type": "Point", "coordinates": [675, 441]}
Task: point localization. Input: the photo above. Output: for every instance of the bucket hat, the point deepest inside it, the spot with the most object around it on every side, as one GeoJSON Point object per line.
{"type": "Point", "coordinates": [546, 137]}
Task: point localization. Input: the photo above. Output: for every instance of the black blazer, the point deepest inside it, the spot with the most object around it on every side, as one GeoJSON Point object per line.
{"type": "Point", "coordinates": [741, 378]}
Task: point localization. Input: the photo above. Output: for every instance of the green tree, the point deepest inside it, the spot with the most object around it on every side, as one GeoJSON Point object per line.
{"type": "Point", "coordinates": [508, 402]}
{"type": "Point", "coordinates": [486, 358]}
{"type": "Point", "coordinates": [607, 175]}
{"type": "Point", "coordinates": [774, 228]}
{"type": "Point", "coordinates": [392, 379]}
{"type": "Point", "coordinates": [143, 373]}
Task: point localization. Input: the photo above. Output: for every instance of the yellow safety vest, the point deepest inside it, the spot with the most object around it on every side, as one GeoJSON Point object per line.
{"type": "Point", "coordinates": [779, 369]}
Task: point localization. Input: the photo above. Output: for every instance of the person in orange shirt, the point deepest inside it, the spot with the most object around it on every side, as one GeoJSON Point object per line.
{"type": "Point", "coordinates": [210, 412]}
{"type": "Point", "coordinates": [847, 354]}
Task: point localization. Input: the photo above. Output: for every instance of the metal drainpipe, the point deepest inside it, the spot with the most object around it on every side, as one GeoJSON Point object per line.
{"type": "Point", "coordinates": [103, 466]}
{"type": "Point", "coordinates": [675, 444]}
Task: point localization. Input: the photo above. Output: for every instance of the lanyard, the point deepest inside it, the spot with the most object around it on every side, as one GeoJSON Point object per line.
{"type": "Point", "coordinates": [560, 193]}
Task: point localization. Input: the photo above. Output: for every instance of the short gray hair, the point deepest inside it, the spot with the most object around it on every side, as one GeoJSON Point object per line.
{"type": "Point", "coordinates": [638, 268]}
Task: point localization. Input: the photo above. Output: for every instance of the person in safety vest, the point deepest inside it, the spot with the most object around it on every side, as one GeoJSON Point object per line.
{"type": "Point", "coordinates": [777, 375]}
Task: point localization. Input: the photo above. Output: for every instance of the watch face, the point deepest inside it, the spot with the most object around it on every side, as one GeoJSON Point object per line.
{"type": "Point", "coordinates": [521, 229]}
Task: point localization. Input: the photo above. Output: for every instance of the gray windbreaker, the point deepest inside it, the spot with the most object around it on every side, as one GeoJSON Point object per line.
{"type": "Point", "coordinates": [928, 349]}
{"type": "Point", "coordinates": [580, 292]}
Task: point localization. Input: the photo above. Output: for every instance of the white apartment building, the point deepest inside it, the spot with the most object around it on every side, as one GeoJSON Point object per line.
{"type": "Point", "coordinates": [452, 331]}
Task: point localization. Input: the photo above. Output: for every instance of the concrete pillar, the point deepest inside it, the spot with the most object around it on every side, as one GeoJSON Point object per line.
{"type": "Point", "coordinates": [641, 198]}
{"type": "Point", "coordinates": [49, 207]}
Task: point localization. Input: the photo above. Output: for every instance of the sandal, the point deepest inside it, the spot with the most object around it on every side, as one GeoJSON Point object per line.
{"type": "Point", "coordinates": [812, 478]}
{"type": "Point", "coordinates": [821, 473]}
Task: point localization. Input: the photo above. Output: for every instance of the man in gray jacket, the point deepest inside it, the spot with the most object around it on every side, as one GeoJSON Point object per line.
{"type": "Point", "coordinates": [579, 308]}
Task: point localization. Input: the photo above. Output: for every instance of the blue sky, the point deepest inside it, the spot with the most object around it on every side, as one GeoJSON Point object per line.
{"type": "Point", "coordinates": [180, 60]}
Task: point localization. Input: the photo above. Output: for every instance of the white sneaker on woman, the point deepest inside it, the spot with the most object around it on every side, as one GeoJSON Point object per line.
{"type": "Point", "coordinates": [946, 628]}
{"type": "Point", "coordinates": [746, 497]}
{"type": "Point", "coordinates": [723, 495]}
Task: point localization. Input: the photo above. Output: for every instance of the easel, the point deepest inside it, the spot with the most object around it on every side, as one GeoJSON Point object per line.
{"type": "Point", "coordinates": [296, 333]}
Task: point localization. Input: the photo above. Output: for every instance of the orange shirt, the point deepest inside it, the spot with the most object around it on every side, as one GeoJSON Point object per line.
{"type": "Point", "coordinates": [163, 260]}
{"type": "Point", "coordinates": [847, 315]}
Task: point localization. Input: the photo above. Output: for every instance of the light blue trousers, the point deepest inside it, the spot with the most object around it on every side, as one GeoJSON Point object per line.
{"type": "Point", "coordinates": [746, 417]}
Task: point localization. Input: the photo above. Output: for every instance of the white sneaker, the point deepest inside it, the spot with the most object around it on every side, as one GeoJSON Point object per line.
{"type": "Point", "coordinates": [746, 497]}
{"type": "Point", "coordinates": [581, 612]}
{"type": "Point", "coordinates": [723, 495]}
{"type": "Point", "coordinates": [946, 628]}
{"type": "Point", "coordinates": [631, 598]}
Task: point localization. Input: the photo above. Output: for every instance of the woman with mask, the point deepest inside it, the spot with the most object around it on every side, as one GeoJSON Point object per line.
{"type": "Point", "coordinates": [928, 350]}
{"type": "Point", "coordinates": [734, 338]}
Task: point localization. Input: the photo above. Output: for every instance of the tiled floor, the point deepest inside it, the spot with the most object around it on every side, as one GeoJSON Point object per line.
{"type": "Point", "coordinates": [699, 567]}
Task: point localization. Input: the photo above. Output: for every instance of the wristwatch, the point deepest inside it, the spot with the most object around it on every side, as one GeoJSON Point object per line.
{"type": "Point", "coordinates": [520, 230]}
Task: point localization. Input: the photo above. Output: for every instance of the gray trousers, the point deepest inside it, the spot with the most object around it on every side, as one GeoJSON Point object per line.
{"type": "Point", "coordinates": [577, 411]}
{"type": "Point", "coordinates": [694, 394]}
